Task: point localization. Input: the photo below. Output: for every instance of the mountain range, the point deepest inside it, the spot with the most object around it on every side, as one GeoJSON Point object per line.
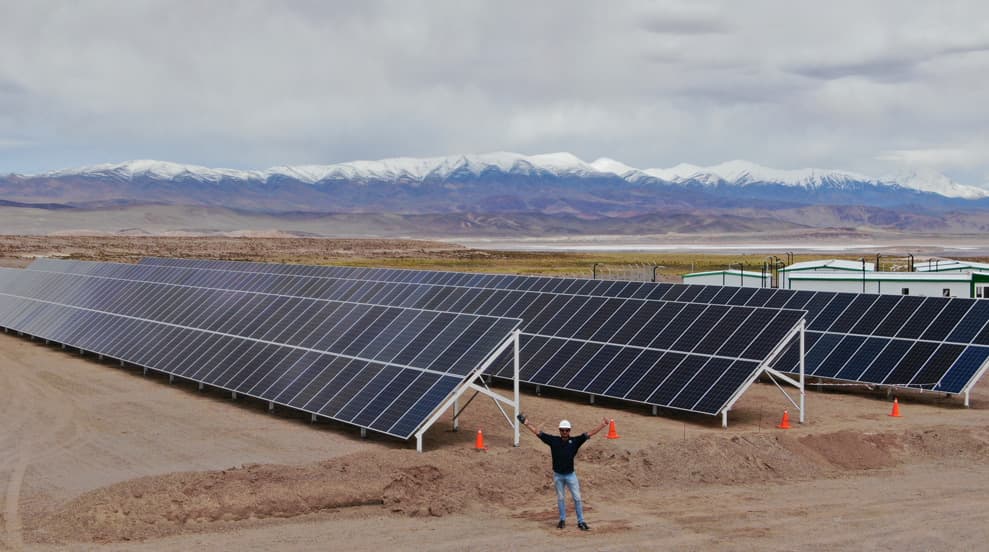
{"type": "Point", "coordinates": [517, 190]}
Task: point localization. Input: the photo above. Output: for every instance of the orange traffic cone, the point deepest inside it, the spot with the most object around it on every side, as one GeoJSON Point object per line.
{"type": "Point", "coordinates": [612, 432]}
{"type": "Point", "coordinates": [785, 422]}
{"type": "Point", "coordinates": [896, 409]}
{"type": "Point", "coordinates": [479, 442]}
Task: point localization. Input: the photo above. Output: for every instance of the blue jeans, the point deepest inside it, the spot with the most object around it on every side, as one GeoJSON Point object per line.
{"type": "Point", "coordinates": [563, 482]}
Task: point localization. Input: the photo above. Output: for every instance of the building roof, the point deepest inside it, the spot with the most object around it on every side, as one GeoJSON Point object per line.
{"type": "Point", "coordinates": [732, 272]}
{"type": "Point", "coordinates": [829, 264]}
{"type": "Point", "coordinates": [949, 265]}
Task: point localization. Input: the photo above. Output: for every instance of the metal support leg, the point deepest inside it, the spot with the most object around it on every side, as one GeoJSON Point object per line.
{"type": "Point", "coordinates": [233, 395]}
{"type": "Point", "coordinates": [591, 398]}
{"type": "Point", "coordinates": [418, 443]}
{"type": "Point", "coordinates": [363, 433]}
{"type": "Point", "coordinates": [966, 399]}
{"type": "Point", "coordinates": [271, 406]}
{"type": "Point", "coordinates": [515, 387]}
{"type": "Point", "coordinates": [312, 420]}
{"type": "Point", "coordinates": [802, 380]}
{"type": "Point", "coordinates": [99, 357]}
{"type": "Point", "coordinates": [171, 378]}
{"type": "Point", "coordinates": [144, 371]}
{"type": "Point", "coordinates": [200, 386]}
{"type": "Point", "coordinates": [456, 414]}
{"type": "Point", "coordinates": [538, 391]}
{"type": "Point", "coordinates": [724, 418]}
{"type": "Point", "coordinates": [655, 410]}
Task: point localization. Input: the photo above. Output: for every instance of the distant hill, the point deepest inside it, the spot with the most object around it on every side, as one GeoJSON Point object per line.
{"type": "Point", "coordinates": [522, 195]}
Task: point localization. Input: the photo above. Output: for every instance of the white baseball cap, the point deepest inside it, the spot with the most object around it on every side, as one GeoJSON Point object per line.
{"type": "Point", "coordinates": [564, 424]}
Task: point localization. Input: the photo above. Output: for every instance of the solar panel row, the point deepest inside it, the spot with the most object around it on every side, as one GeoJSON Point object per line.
{"type": "Point", "coordinates": [933, 343]}
{"type": "Point", "coordinates": [381, 368]}
{"type": "Point", "coordinates": [677, 355]}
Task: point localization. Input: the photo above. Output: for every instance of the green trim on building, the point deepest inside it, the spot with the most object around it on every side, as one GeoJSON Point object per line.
{"type": "Point", "coordinates": [978, 278]}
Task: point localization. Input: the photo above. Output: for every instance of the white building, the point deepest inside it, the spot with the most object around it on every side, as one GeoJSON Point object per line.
{"type": "Point", "coordinates": [837, 266]}
{"type": "Point", "coordinates": [963, 284]}
{"type": "Point", "coordinates": [731, 277]}
{"type": "Point", "coordinates": [950, 265]}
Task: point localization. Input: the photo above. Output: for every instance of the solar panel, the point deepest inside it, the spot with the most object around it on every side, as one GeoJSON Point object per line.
{"type": "Point", "coordinates": [883, 320]}
{"type": "Point", "coordinates": [567, 339]}
{"type": "Point", "coordinates": [381, 368]}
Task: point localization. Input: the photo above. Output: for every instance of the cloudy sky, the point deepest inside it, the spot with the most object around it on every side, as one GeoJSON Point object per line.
{"type": "Point", "coordinates": [877, 87]}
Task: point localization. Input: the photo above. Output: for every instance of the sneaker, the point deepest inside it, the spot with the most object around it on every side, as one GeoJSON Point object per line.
{"type": "Point", "coordinates": [583, 526]}
{"type": "Point", "coordinates": [561, 525]}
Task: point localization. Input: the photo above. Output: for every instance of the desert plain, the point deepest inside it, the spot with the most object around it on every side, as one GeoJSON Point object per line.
{"type": "Point", "coordinates": [94, 456]}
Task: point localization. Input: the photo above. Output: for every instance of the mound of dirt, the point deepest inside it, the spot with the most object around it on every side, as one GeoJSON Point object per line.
{"type": "Point", "coordinates": [853, 450]}
{"type": "Point", "coordinates": [449, 481]}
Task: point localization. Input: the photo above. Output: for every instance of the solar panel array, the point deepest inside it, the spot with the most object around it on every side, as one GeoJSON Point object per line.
{"type": "Point", "coordinates": [933, 343]}
{"type": "Point", "coordinates": [679, 355]}
{"type": "Point", "coordinates": [381, 368]}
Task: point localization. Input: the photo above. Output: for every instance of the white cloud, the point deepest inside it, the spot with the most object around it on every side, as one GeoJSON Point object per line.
{"type": "Point", "coordinates": [940, 158]}
{"type": "Point", "coordinates": [11, 143]}
{"type": "Point", "coordinates": [860, 86]}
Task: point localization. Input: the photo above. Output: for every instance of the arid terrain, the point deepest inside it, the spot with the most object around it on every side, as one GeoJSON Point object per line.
{"type": "Point", "coordinates": [93, 456]}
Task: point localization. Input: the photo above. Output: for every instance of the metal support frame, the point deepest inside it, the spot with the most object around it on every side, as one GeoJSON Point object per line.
{"type": "Point", "coordinates": [475, 382]}
{"type": "Point", "coordinates": [456, 414]}
{"type": "Point", "coordinates": [798, 332]}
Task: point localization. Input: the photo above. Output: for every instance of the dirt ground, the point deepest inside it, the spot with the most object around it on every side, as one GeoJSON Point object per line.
{"type": "Point", "coordinates": [93, 456]}
{"type": "Point", "coordinates": [96, 457]}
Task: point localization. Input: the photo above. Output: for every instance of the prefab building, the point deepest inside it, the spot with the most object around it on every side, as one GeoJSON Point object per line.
{"type": "Point", "coordinates": [839, 266]}
{"type": "Point", "coordinates": [894, 283]}
{"type": "Point", "coordinates": [738, 278]}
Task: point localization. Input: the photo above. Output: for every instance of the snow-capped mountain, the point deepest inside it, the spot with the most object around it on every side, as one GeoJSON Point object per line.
{"type": "Point", "coordinates": [513, 165]}
{"type": "Point", "coordinates": [744, 173]}
{"type": "Point", "coordinates": [935, 182]}
{"type": "Point", "coordinates": [398, 168]}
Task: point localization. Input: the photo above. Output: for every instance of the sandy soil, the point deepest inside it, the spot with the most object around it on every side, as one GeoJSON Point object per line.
{"type": "Point", "coordinates": [18, 251]}
{"type": "Point", "coordinates": [93, 456]}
